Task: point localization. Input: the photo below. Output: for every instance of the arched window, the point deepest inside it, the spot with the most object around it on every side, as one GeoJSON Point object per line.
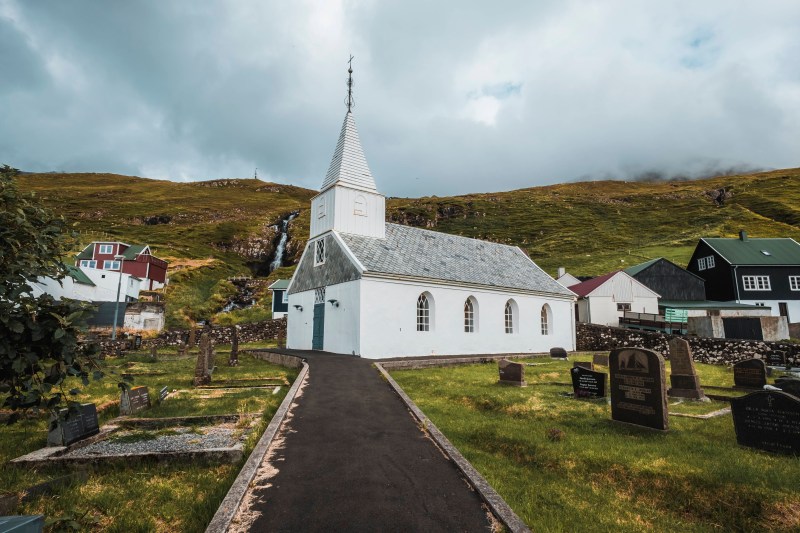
{"type": "Point", "coordinates": [469, 316]}
{"type": "Point", "coordinates": [545, 319]}
{"type": "Point", "coordinates": [423, 313]}
{"type": "Point", "coordinates": [509, 317]}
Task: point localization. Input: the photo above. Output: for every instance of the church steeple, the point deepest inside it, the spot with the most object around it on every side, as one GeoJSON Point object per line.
{"type": "Point", "coordinates": [349, 201]}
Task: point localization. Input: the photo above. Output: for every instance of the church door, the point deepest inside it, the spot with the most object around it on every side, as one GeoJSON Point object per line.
{"type": "Point", "coordinates": [318, 329]}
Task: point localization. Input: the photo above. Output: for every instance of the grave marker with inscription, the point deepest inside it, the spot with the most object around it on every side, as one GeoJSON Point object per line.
{"type": "Point", "coordinates": [600, 359]}
{"type": "Point", "coordinates": [72, 426]}
{"type": "Point", "coordinates": [768, 420]}
{"type": "Point", "coordinates": [789, 384]}
{"type": "Point", "coordinates": [638, 387]}
{"type": "Point", "coordinates": [750, 374]}
{"type": "Point", "coordinates": [683, 377]}
{"type": "Point", "coordinates": [134, 400]}
{"type": "Point", "coordinates": [588, 383]}
{"type": "Point", "coordinates": [583, 364]}
{"type": "Point", "coordinates": [776, 358]}
{"type": "Point", "coordinates": [558, 353]}
{"type": "Point", "coordinates": [511, 373]}
{"type": "Point", "coordinates": [162, 394]}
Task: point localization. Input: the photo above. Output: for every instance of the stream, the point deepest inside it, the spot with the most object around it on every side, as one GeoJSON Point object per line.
{"type": "Point", "coordinates": [281, 248]}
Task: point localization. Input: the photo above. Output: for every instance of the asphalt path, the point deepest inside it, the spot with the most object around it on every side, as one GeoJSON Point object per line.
{"type": "Point", "coordinates": [355, 460]}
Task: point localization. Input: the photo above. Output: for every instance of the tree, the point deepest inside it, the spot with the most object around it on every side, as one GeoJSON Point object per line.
{"type": "Point", "coordinates": [39, 345]}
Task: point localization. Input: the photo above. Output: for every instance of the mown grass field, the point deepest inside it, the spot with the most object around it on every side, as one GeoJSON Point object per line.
{"type": "Point", "coordinates": [179, 496]}
{"type": "Point", "coordinates": [603, 476]}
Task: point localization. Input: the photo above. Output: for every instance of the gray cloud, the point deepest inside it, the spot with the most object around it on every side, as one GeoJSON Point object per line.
{"type": "Point", "coordinates": [452, 97]}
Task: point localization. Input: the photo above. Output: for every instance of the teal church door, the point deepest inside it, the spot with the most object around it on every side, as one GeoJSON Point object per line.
{"type": "Point", "coordinates": [318, 330]}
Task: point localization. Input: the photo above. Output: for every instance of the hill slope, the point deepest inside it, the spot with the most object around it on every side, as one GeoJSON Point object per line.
{"type": "Point", "coordinates": [222, 228]}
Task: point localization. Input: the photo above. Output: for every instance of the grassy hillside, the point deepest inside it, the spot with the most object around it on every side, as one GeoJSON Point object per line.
{"type": "Point", "coordinates": [213, 230]}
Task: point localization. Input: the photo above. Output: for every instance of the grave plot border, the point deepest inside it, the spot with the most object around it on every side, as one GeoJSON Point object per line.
{"type": "Point", "coordinates": [496, 503]}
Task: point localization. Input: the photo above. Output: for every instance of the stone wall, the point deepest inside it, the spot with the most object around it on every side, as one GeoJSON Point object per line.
{"type": "Point", "coordinates": [591, 337]}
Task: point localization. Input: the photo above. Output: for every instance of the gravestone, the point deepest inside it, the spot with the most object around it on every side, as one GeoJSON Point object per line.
{"type": "Point", "coordinates": [182, 349]}
{"type": "Point", "coordinates": [558, 353]}
{"type": "Point", "coordinates": [201, 374]}
{"type": "Point", "coordinates": [775, 358]}
{"type": "Point", "coordinates": [600, 359]}
{"type": "Point", "coordinates": [638, 387]}
{"type": "Point", "coordinates": [511, 373]}
{"type": "Point", "coordinates": [137, 342]}
{"type": "Point", "coordinates": [750, 374]}
{"type": "Point", "coordinates": [73, 425]}
{"type": "Point", "coordinates": [683, 377]}
{"type": "Point", "coordinates": [162, 394]}
{"type": "Point", "coordinates": [134, 400]}
{"type": "Point", "coordinates": [192, 338]}
{"type": "Point", "coordinates": [583, 364]}
{"type": "Point", "coordinates": [789, 384]}
{"type": "Point", "coordinates": [154, 352]}
{"type": "Point", "coordinates": [768, 420]}
{"type": "Point", "coordinates": [233, 360]}
{"type": "Point", "coordinates": [588, 383]}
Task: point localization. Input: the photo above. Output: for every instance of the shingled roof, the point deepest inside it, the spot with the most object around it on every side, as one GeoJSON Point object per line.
{"type": "Point", "coordinates": [420, 253]}
{"type": "Point", "coordinates": [349, 166]}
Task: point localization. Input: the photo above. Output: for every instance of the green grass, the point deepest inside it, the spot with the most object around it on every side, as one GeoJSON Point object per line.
{"type": "Point", "coordinates": [603, 476]}
{"type": "Point", "coordinates": [143, 496]}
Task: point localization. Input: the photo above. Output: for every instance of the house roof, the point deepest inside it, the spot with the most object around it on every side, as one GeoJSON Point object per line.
{"type": "Point", "coordinates": [419, 253]}
{"type": "Point", "coordinates": [349, 166]}
{"type": "Point", "coordinates": [133, 250]}
{"type": "Point", "coordinates": [750, 251]}
{"type": "Point", "coordinates": [707, 304]}
{"type": "Point", "coordinates": [78, 275]}
{"type": "Point", "coordinates": [584, 288]}
{"type": "Point", "coordinates": [280, 284]}
{"type": "Point", "coordinates": [87, 252]}
{"type": "Point", "coordinates": [633, 270]}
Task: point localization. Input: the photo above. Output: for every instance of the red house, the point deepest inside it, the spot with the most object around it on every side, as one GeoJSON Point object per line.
{"type": "Point", "coordinates": [137, 261]}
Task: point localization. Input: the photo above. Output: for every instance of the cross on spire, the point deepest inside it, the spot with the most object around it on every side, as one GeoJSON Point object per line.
{"type": "Point", "coordinates": [350, 102]}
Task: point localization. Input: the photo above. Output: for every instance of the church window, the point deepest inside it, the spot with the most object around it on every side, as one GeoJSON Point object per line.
{"type": "Point", "coordinates": [319, 252]}
{"type": "Point", "coordinates": [319, 295]}
{"type": "Point", "coordinates": [509, 317]}
{"type": "Point", "coordinates": [545, 319]}
{"type": "Point", "coordinates": [469, 316]}
{"type": "Point", "coordinates": [360, 206]}
{"type": "Point", "coordinates": [321, 208]}
{"type": "Point", "coordinates": [423, 313]}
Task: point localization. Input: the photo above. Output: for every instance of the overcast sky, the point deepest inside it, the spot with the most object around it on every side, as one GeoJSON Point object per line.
{"type": "Point", "coordinates": [451, 97]}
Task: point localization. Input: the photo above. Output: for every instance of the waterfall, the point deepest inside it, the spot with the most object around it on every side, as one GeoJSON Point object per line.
{"type": "Point", "coordinates": [281, 248]}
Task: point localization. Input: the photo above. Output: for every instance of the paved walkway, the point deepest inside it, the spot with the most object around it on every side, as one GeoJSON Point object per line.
{"type": "Point", "coordinates": [355, 460]}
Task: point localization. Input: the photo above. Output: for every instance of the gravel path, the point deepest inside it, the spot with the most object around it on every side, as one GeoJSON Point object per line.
{"type": "Point", "coordinates": [185, 440]}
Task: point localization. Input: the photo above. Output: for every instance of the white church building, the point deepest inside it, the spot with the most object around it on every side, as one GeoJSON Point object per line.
{"type": "Point", "coordinates": [374, 289]}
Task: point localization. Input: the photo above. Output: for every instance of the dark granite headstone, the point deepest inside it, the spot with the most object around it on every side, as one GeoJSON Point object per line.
{"type": "Point", "coordinates": [638, 387]}
{"type": "Point", "coordinates": [750, 374]}
{"type": "Point", "coordinates": [134, 400]}
{"type": "Point", "coordinates": [768, 420]}
{"type": "Point", "coordinates": [683, 377]}
{"type": "Point", "coordinates": [137, 342]}
{"type": "Point", "coordinates": [775, 358]}
{"type": "Point", "coordinates": [583, 364]}
{"type": "Point", "coordinates": [72, 426]}
{"type": "Point", "coordinates": [789, 384]}
{"type": "Point", "coordinates": [162, 394]}
{"type": "Point", "coordinates": [600, 359]}
{"type": "Point", "coordinates": [558, 353]}
{"type": "Point", "coordinates": [588, 383]}
{"type": "Point", "coordinates": [511, 373]}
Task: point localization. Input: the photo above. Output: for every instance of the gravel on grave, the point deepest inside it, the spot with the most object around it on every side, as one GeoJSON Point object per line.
{"type": "Point", "coordinates": [185, 440]}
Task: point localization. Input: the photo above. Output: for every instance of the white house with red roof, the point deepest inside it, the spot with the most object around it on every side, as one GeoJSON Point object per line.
{"type": "Point", "coordinates": [605, 299]}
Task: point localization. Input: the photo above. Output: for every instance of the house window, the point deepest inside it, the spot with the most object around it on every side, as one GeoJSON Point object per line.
{"type": "Point", "coordinates": [509, 317]}
{"type": "Point", "coordinates": [756, 283]}
{"type": "Point", "coordinates": [319, 252]}
{"type": "Point", "coordinates": [623, 307]}
{"type": "Point", "coordinates": [710, 261]}
{"type": "Point", "coordinates": [794, 283]}
{"type": "Point", "coordinates": [285, 297]}
{"type": "Point", "coordinates": [360, 206]}
{"type": "Point", "coordinates": [545, 320]}
{"type": "Point", "coordinates": [701, 263]}
{"type": "Point", "coordinates": [106, 249]}
{"type": "Point", "coordinates": [110, 265]}
{"type": "Point", "coordinates": [321, 208]}
{"type": "Point", "coordinates": [423, 313]}
{"type": "Point", "coordinates": [319, 295]}
{"type": "Point", "coordinates": [88, 263]}
{"type": "Point", "coordinates": [469, 316]}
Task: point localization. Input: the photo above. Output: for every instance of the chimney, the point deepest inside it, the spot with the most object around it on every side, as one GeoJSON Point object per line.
{"type": "Point", "coordinates": [561, 271]}
{"type": "Point", "coordinates": [742, 235]}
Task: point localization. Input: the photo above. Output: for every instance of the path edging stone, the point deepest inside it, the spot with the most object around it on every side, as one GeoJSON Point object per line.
{"type": "Point", "coordinates": [495, 502]}
{"type": "Point", "coordinates": [233, 499]}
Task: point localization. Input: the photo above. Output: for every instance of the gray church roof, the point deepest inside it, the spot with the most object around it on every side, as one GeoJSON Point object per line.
{"type": "Point", "coordinates": [420, 253]}
{"type": "Point", "coordinates": [349, 166]}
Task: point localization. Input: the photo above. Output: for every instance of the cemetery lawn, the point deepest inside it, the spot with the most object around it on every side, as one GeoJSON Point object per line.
{"type": "Point", "coordinates": [601, 475]}
{"type": "Point", "coordinates": [179, 496]}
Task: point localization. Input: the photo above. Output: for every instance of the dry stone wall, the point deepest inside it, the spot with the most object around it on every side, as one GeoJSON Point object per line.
{"type": "Point", "coordinates": [591, 337]}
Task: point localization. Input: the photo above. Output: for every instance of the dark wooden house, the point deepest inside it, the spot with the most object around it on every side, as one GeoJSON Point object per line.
{"type": "Point", "coordinates": [672, 282]}
{"type": "Point", "coordinates": [280, 298]}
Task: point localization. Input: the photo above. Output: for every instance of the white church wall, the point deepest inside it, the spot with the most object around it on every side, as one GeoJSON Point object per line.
{"type": "Point", "coordinates": [360, 212]}
{"type": "Point", "coordinates": [388, 324]}
{"type": "Point", "coordinates": [341, 333]}
{"type": "Point", "coordinates": [322, 213]}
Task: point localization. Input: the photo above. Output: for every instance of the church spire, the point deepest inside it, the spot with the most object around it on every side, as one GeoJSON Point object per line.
{"type": "Point", "coordinates": [350, 102]}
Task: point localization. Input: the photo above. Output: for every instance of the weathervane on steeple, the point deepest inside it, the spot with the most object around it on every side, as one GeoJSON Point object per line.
{"type": "Point", "coordinates": [350, 102]}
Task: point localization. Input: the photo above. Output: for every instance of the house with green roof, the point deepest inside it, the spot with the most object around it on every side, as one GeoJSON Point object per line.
{"type": "Point", "coordinates": [133, 259]}
{"type": "Point", "coordinates": [753, 271]}
{"type": "Point", "coordinates": [280, 298]}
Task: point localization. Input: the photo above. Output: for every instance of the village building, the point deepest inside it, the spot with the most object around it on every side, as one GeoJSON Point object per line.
{"type": "Point", "coordinates": [607, 300]}
{"type": "Point", "coordinates": [135, 260]}
{"type": "Point", "coordinates": [280, 298]}
{"type": "Point", "coordinates": [375, 289]}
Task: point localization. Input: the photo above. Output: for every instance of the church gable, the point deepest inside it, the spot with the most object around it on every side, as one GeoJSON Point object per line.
{"type": "Point", "coordinates": [336, 266]}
